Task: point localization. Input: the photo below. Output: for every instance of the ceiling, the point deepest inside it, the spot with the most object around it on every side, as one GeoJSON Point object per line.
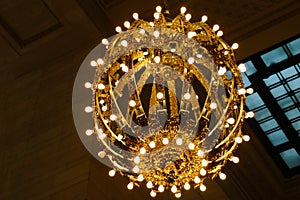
{"type": "Point", "coordinates": [42, 44]}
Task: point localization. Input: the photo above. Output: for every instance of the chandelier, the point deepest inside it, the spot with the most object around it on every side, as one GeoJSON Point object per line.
{"type": "Point", "coordinates": [167, 103]}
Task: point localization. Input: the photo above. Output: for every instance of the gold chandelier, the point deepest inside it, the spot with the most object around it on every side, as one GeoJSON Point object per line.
{"type": "Point", "coordinates": [168, 103]}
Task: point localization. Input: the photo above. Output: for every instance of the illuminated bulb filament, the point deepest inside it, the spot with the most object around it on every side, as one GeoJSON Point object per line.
{"type": "Point", "coordinates": [174, 189]}
{"type": "Point", "coordinates": [130, 186]}
{"type": "Point", "coordinates": [187, 186]}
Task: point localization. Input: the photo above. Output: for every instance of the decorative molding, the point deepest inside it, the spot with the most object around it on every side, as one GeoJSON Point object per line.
{"type": "Point", "coordinates": [107, 4]}
{"type": "Point", "coordinates": [97, 14]}
{"type": "Point", "coordinates": [22, 42]}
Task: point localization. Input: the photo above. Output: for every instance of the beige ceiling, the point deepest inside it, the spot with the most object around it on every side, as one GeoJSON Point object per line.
{"type": "Point", "coordinates": [42, 44]}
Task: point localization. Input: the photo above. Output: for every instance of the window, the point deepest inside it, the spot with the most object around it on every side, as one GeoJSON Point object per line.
{"type": "Point", "coordinates": [275, 77]}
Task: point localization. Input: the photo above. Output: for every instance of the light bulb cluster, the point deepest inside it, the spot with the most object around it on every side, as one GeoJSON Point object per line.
{"type": "Point", "coordinates": [177, 175]}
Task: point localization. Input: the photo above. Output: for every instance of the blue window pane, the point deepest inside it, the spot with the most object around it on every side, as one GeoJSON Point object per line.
{"type": "Point", "coordinates": [277, 138]}
{"type": "Point", "coordinates": [291, 158]}
{"type": "Point", "coordinates": [229, 75]}
{"type": "Point", "coordinates": [292, 113]}
{"type": "Point", "coordinates": [294, 84]}
{"type": "Point", "coordinates": [254, 101]}
{"type": "Point", "coordinates": [247, 83]}
{"type": "Point", "coordinates": [286, 102]}
{"type": "Point", "coordinates": [274, 56]}
{"type": "Point", "coordinates": [298, 96]}
{"type": "Point", "coordinates": [296, 125]}
{"type": "Point", "coordinates": [271, 80]}
{"type": "Point", "coordinates": [278, 91]}
{"type": "Point", "coordinates": [268, 125]}
{"type": "Point", "coordinates": [294, 46]}
{"type": "Point", "coordinates": [289, 72]}
{"type": "Point", "coordinates": [262, 114]}
{"type": "Point", "coordinates": [250, 68]}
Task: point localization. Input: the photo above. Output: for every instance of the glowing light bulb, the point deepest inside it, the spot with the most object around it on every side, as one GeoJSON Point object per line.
{"type": "Point", "coordinates": [249, 114]}
{"type": "Point", "coordinates": [149, 184]}
{"type": "Point", "coordinates": [161, 188]}
{"type": "Point", "coordinates": [242, 67]}
{"type": "Point", "coordinates": [216, 27]}
{"type": "Point", "coordinates": [246, 138]}
{"type": "Point", "coordinates": [204, 18]}
{"type": "Point", "coordinates": [160, 95]}
{"type": "Point", "coordinates": [222, 176]}
{"type": "Point", "coordinates": [89, 132]}
{"type": "Point", "coordinates": [235, 159]}
{"type": "Point", "coordinates": [157, 59]}
{"type": "Point", "coordinates": [124, 43]}
{"type": "Point", "coordinates": [151, 24]}
{"type": "Point", "coordinates": [140, 178]}
{"type": "Point", "coordinates": [124, 68]}
{"type": "Point", "coordinates": [105, 41]}
{"type": "Point", "coordinates": [142, 31]}
{"type": "Point", "coordinates": [156, 34]}
{"type": "Point", "coordinates": [250, 90]}
{"type": "Point", "coordinates": [88, 109]}
{"type": "Point", "coordinates": [137, 160]}
{"type": "Point", "coordinates": [188, 17]}
{"type": "Point", "coordinates": [197, 179]}
{"type": "Point", "coordinates": [152, 144]}
{"type": "Point", "coordinates": [130, 186]}
{"type": "Point", "coordinates": [191, 146]}
{"type": "Point", "coordinates": [220, 33]}
{"type": "Point", "coordinates": [100, 61]}
{"type": "Point", "coordinates": [213, 105]}
{"type": "Point", "coordinates": [113, 117]}
{"type": "Point", "coordinates": [152, 193]}
{"type": "Point", "coordinates": [242, 91]}
{"type": "Point", "coordinates": [112, 173]}
{"type": "Point", "coordinates": [191, 60]}
{"type": "Point", "coordinates": [156, 15]}
{"type": "Point", "coordinates": [187, 96]}
{"type": "Point", "coordinates": [87, 85]}
{"type": "Point", "coordinates": [101, 86]}
{"type": "Point", "coordinates": [136, 169]}
{"type": "Point", "coordinates": [235, 46]}
{"type": "Point", "coordinates": [132, 103]}
{"type": "Point", "coordinates": [222, 71]}
{"type": "Point", "coordinates": [187, 186]}
{"type": "Point", "coordinates": [101, 154]}
{"type": "Point", "coordinates": [204, 163]}
{"type": "Point", "coordinates": [200, 153]}
{"type": "Point", "coordinates": [191, 34]}
{"type": "Point", "coordinates": [165, 141]}
{"type": "Point", "coordinates": [182, 10]}
{"type": "Point", "coordinates": [120, 137]}
{"type": "Point", "coordinates": [127, 24]}
{"type": "Point", "coordinates": [178, 195]}
{"type": "Point", "coordinates": [202, 172]}
{"type": "Point", "coordinates": [102, 136]}
{"type": "Point", "coordinates": [238, 140]}
{"type": "Point", "coordinates": [202, 187]}
{"type": "Point", "coordinates": [118, 29]}
{"type": "Point", "coordinates": [143, 150]}
{"type": "Point", "coordinates": [104, 108]}
{"type": "Point", "coordinates": [158, 8]}
{"type": "Point", "coordinates": [231, 120]}
{"type": "Point", "coordinates": [135, 16]}
{"type": "Point", "coordinates": [179, 141]}
{"type": "Point", "coordinates": [174, 189]}
{"type": "Point", "coordinates": [93, 63]}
